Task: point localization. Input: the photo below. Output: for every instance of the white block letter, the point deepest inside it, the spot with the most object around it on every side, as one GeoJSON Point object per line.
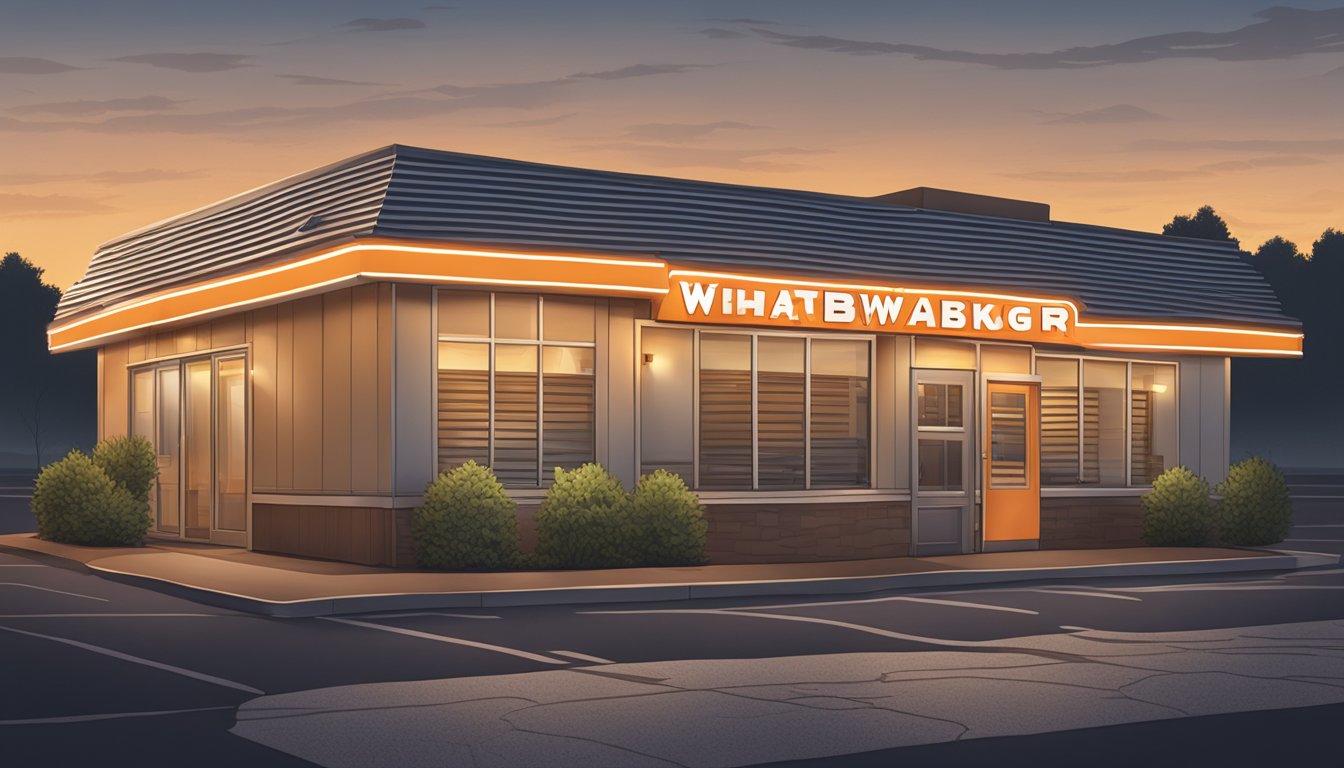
{"type": "Point", "coordinates": [783, 306]}
{"type": "Point", "coordinates": [954, 314]}
{"type": "Point", "coordinates": [839, 307]}
{"type": "Point", "coordinates": [1054, 319]}
{"type": "Point", "coordinates": [754, 305]}
{"type": "Point", "coordinates": [887, 308]}
{"type": "Point", "coordinates": [982, 317]}
{"type": "Point", "coordinates": [922, 314]}
{"type": "Point", "coordinates": [1019, 318]}
{"type": "Point", "coordinates": [696, 297]}
{"type": "Point", "coordinates": [808, 297]}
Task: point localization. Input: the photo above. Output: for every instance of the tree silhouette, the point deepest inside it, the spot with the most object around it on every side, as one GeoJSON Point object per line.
{"type": "Point", "coordinates": [1286, 270]}
{"type": "Point", "coordinates": [26, 306]}
{"type": "Point", "coordinates": [1205, 224]}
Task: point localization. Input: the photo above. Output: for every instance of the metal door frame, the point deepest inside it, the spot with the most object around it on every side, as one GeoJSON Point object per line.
{"type": "Point", "coordinates": [968, 496]}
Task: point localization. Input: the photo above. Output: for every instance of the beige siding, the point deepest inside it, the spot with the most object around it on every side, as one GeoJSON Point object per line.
{"type": "Point", "coordinates": [115, 406]}
{"type": "Point", "coordinates": [284, 397]}
{"type": "Point", "coordinates": [384, 364]}
{"type": "Point", "coordinates": [264, 399]}
{"type": "Point", "coordinates": [620, 395]}
{"type": "Point", "coordinates": [413, 363]}
{"type": "Point", "coordinates": [363, 391]}
{"type": "Point", "coordinates": [891, 392]}
{"type": "Point", "coordinates": [336, 405]}
{"type": "Point", "coordinates": [308, 405]}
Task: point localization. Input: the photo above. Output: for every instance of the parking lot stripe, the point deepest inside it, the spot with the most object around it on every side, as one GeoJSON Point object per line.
{"type": "Point", "coordinates": [895, 598]}
{"type": "Point", "coordinates": [108, 615]}
{"type": "Point", "coordinates": [446, 639]}
{"type": "Point", "coordinates": [583, 657]}
{"type": "Point", "coordinates": [806, 620]}
{"type": "Point", "coordinates": [21, 565]}
{"type": "Point", "coordinates": [1082, 593]}
{"type": "Point", "coordinates": [48, 589]}
{"type": "Point", "coordinates": [425, 613]}
{"type": "Point", "coordinates": [106, 716]}
{"type": "Point", "coordinates": [138, 660]}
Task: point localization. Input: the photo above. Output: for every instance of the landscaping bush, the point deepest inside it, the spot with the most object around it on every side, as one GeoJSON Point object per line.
{"type": "Point", "coordinates": [76, 502]}
{"type": "Point", "coordinates": [1176, 511]}
{"type": "Point", "coordinates": [668, 522]}
{"type": "Point", "coordinates": [584, 521]}
{"type": "Point", "coordinates": [468, 521]}
{"type": "Point", "coordinates": [1255, 509]}
{"type": "Point", "coordinates": [130, 462]}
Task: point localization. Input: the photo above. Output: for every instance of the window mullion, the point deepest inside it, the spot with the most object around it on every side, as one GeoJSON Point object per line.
{"type": "Point", "coordinates": [755, 419]}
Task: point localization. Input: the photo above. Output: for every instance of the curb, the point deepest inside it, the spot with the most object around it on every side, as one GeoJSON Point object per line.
{"type": "Point", "coordinates": [1281, 560]}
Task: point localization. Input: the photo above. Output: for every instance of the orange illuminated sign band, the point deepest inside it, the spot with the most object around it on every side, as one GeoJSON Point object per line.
{"type": "Point", "coordinates": [678, 295]}
{"type": "Point", "coordinates": [715, 297]}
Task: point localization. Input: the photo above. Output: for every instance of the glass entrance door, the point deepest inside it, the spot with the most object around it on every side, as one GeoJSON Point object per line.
{"type": "Point", "coordinates": [195, 413]}
{"type": "Point", "coordinates": [942, 497]}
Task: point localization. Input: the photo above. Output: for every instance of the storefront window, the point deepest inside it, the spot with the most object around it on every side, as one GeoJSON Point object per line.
{"type": "Point", "coordinates": [725, 411]}
{"type": "Point", "coordinates": [1152, 421]}
{"type": "Point", "coordinates": [511, 402]}
{"type": "Point", "coordinates": [762, 422]}
{"type": "Point", "coordinates": [1090, 434]}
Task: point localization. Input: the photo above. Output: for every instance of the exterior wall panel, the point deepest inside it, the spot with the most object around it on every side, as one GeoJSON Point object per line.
{"type": "Point", "coordinates": [308, 404]}
{"type": "Point", "coordinates": [336, 390]}
{"type": "Point", "coordinates": [264, 398]}
{"type": "Point", "coordinates": [365, 406]}
{"type": "Point", "coordinates": [413, 381]}
{"type": "Point", "coordinates": [620, 376]}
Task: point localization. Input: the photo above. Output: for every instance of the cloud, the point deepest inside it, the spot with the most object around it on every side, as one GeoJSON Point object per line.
{"type": "Point", "coordinates": [383, 25]}
{"type": "Point", "coordinates": [142, 176]}
{"type": "Point", "coordinates": [1265, 146]}
{"type": "Point", "coordinates": [1280, 33]}
{"type": "Point", "coordinates": [541, 121]}
{"type": "Point", "coordinates": [721, 158]}
{"type": "Point", "coordinates": [17, 205]}
{"type": "Point", "coordinates": [95, 107]}
{"type": "Point", "coordinates": [1119, 113]}
{"type": "Point", "coordinates": [189, 62]}
{"type": "Point", "coordinates": [680, 132]}
{"type": "Point", "coordinates": [315, 80]}
{"type": "Point", "coordinates": [637, 70]}
{"type": "Point", "coordinates": [29, 65]}
{"type": "Point", "coordinates": [1150, 175]}
{"type": "Point", "coordinates": [719, 33]}
{"type": "Point", "coordinates": [442, 100]}
{"type": "Point", "coordinates": [740, 20]}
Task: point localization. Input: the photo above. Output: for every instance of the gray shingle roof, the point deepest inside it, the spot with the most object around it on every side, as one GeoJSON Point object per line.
{"type": "Point", "coordinates": [469, 199]}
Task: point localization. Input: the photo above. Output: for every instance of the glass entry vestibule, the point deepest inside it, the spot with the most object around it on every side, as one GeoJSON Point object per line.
{"type": "Point", "coordinates": [194, 412]}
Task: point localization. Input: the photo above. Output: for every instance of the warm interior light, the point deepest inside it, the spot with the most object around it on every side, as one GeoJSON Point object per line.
{"type": "Point", "coordinates": [1160, 388]}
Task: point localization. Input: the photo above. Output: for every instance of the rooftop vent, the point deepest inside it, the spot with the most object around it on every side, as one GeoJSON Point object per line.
{"type": "Point", "coordinates": [966, 202]}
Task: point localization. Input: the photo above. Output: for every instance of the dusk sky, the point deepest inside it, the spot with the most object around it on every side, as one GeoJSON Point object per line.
{"type": "Point", "coordinates": [116, 114]}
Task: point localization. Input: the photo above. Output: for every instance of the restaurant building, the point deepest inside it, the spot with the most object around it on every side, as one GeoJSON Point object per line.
{"type": "Point", "coordinates": [837, 377]}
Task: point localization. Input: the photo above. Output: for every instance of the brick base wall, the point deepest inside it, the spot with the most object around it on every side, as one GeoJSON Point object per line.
{"type": "Point", "coordinates": [352, 534]}
{"type": "Point", "coordinates": [1091, 523]}
{"type": "Point", "coordinates": [788, 533]}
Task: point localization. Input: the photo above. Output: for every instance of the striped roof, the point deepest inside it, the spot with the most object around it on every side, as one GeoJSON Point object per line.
{"type": "Point", "coordinates": [406, 192]}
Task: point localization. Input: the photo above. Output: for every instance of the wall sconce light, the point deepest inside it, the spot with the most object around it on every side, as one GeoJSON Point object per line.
{"type": "Point", "coordinates": [648, 358]}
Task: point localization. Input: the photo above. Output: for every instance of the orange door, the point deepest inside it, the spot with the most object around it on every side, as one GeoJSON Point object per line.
{"type": "Point", "coordinates": [1012, 498]}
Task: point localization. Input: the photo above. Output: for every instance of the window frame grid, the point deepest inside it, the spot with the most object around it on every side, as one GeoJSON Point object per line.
{"type": "Point", "coordinates": [1080, 361]}
{"type": "Point", "coordinates": [696, 331]}
{"type": "Point", "coordinates": [539, 345]}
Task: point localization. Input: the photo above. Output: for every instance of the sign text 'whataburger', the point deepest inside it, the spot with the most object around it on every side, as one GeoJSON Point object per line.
{"type": "Point", "coordinates": [794, 304]}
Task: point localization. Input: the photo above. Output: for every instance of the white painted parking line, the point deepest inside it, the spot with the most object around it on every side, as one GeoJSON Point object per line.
{"type": "Point", "coordinates": [806, 620]}
{"type": "Point", "coordinates": [1082, 593]}
{"type": "Point", "coordinates": [15, 496]}
{"type": "Point", "coordinates": [109, 615]}
{"type": "Point", "coordinates": [424, 613]}
{"type": "Point", "coordinates": [446, 639]}
{"type": "Point", "coordinates": [107, 716]}
{"type": "Point", "coordinates": [1332, 541]}
{"type": "Point", "coordinates": [47, 589]}
{"type": "Point", "coordinates": [583, 657]}
{"type": "Point", "coordinates": [1320, 525]}
{"type": "Point", "coordinates": [21, 565]}
{"type": "Point", "coordinates": [138, 660]}
{"type": "Point", "coordinates": [896, 598]}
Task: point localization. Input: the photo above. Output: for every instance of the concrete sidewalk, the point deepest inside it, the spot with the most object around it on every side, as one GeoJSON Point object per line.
{"type": "Point", "coordinates": [276, 585]}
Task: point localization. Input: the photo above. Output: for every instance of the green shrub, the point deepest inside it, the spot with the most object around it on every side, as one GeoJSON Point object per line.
{"type": "Point", "coordinates": [76, 502]}
{"type": "Point", "coordinates": [468, 521]}
{"type": "Point", "coordinates": [1176, 511]}
{"type": "Point", "coordinates": [1255, 509]}
{"type": "Point", "coordinates": [584, 521]}
{"type": "Point", "coordinates": [130, 462]}
{"type": "Point", "coordinates": [668, 521]}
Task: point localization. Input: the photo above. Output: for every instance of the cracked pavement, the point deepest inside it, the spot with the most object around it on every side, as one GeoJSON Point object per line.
{"type": "Point", "coordinates": [730, 712]}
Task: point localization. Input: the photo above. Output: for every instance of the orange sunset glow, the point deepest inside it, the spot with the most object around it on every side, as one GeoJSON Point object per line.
{"type": "Point", "coordinates": [1120, 115]}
